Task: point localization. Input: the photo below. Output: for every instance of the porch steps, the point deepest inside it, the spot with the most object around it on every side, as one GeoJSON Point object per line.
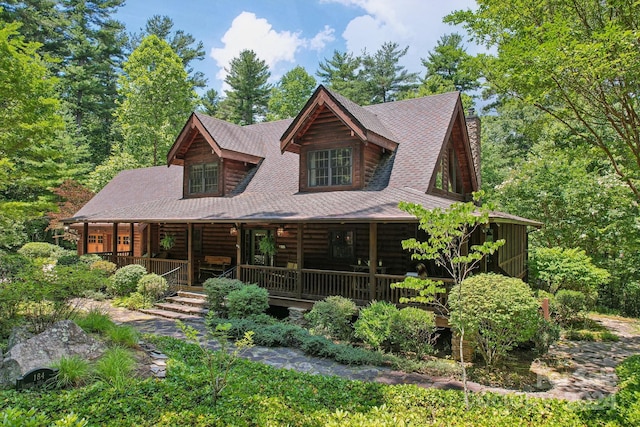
{"type": "Point", "coordinates": [170, 314]}
{"type": "Point", "coordinates": [184, 306]}
{"type": "Point", "coordinates": [181, 308]}
{"type": "Point", "coordinates": [192, 302]}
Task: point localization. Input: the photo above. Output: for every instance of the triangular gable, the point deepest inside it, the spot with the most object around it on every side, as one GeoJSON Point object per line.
{"type": "Point", "coordinates": [457, 138]}
{"type": "Point", "coordinates": [362, 123]}
{"type": "Point", "coordinates": [227, 141]}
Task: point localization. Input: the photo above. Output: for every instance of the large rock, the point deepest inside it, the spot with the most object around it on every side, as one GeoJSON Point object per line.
{"type": "Point", "coordinates": [18, 334]}
{"type": "Point", "coordinates": [63, 339]}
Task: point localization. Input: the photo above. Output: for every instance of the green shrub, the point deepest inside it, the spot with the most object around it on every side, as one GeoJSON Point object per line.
{"type": "Point", "coordinates": [570, 306]}
{"type": "Point", "coordinates": [497, 312]}
{"type": "Point", "coordinates": [631, 299]}
{"type": "Point", "coordinates": [106, 266]}
{"type": "Point", "coordinates": [41, 250]}
{"type": "Point", "coordinates": [373, 323]}
{"type": "Point", "coordinates": [125, 280]}
{"type": "Point", "coordinates": [78, 278]}
{"type": "Point", "coordinates": [250, 300]}
{"type": "Point", "coordinates": [94, 295]}
{"type": "Point", "coordinates": [11, 265]}
{"type": "Point", "coordinates": [332, 317]}
{"type": "Point", "coordinates": [547, 333]}
{"type": "Point", "coordinates": [319, 346]}
{"type": "Point", "coordinates": [217, 289]}
{"type": "Point", "coordinates": [413, 330]}
{"type": "Point", "coordinates": [570, 269]}
{"type": "Point", "coordinates": [628, 396]}
{"type": "Point", "coordinates": [94, 321]}
{"type": "Point", "coordinates": [152, 286]}
{"type": "Point", "coordinates": [11, 417]}
{"type": "Point", "coordinates": [68, 260]}
{"type": "Point", "coordinates": [116, 367]}
{"type": "Point", "coordinates": [348, 355]}
{"type": "Point", "coordinates": [126, 336]}
{"type": "Point", "coordinates": [135, 301]}
{"type": "Point", "coordinates": [284, 334]}
{"type": "Point", "coordinates": [73, 371]}
{"type": "Point", "coordinates": [90, 259]}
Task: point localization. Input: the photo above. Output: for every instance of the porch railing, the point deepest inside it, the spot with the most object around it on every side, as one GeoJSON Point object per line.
{"type": "Point", "coordinates": [176, 270]}
{"type": "Point", "coordinates": [319, 284]}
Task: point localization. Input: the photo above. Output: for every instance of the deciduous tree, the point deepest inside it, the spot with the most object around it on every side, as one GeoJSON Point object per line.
{"type": "Point", "coordinates": [184, 44]}
{"type": "Point", "coordinates": [290, 94]}
{"type": "Point", "coordinates": [157, 99]}
{"type": "Point", "coordinates": [448, 243]}
{"type": "Point", "coordinates": [578, 61]}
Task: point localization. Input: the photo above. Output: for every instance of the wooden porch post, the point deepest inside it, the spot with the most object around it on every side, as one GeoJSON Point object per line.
{"type": "Point", "coordinates": [190, 254]}
{"type": "Point", "coordinates": [85, 238]}
{"type": "Point", "coordinates": [373, 258]}
{"type": "Point", "coordinates": [148, 228]}
{"type": "Point", "coordinates": [299, 259]}
{"type": "Point", "coordinates": [238, 251]}
{"type": "Point", "coordinates": [131, 240]}
{"type": "Point", "coordinates": [114, 244]}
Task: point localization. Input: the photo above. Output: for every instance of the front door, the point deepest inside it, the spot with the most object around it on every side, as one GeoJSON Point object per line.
{"type": "Point", "coordinates": [256, 257]}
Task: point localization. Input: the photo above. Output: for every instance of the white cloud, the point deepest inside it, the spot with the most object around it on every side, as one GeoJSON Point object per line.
{"type": "Point", "coordinates": [414, 23]}
{"type": "Point", "coordinates": [322, 39]}
{"type": "Point", "coordinates": [247, 31]}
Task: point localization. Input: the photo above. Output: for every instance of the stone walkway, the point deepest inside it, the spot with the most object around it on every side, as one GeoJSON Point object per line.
{"type": "Point", "coordinates": [587, 371]}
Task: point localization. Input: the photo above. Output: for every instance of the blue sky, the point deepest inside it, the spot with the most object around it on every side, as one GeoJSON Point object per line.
{"type": "Point", "coordinates": [286, 33]}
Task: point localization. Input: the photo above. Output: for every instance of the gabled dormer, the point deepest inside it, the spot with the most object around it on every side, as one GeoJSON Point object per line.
{"type": "Point", "coordinates": [455, 174]}
{"type": "Point", "coordinates": [340, 143]}
{"type": "Point", "coordinates": [216, 155]}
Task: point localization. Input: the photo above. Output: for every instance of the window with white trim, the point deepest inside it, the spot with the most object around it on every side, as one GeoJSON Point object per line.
{"type": "Point", "coordinates": [203, 178]}
{"type": "Point", "coordinates": [330, 167]}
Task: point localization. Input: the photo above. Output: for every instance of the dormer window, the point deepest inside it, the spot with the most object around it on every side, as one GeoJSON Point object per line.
{"type": "Point", "coordinates": [330, 167]}
{"type": "Point", "coordinates": [203, 178]}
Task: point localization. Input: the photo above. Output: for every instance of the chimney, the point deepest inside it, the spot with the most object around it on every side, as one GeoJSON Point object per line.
{"type": "Point", "coordinates": [473, 129]}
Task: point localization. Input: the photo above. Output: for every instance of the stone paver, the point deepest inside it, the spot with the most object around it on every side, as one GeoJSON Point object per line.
{"type": "Point", "coordinates": [591, 374]}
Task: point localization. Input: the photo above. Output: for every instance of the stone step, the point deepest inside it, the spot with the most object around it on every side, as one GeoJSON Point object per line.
{"type": "Point", "coordinates": [195, 302]}
{"type": "Point", "coordinates": [170, 314]}
{"type": "Point", "coordinates": [194, 295]}
{"type": "Point", "coordinates": [181, 308]}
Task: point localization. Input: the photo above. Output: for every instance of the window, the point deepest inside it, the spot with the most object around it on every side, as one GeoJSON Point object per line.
{"type": "Point", "coordinates": [330, 167]}
{"type": "Point", "coordinates": [123, 240]}
{"type": "Point", "coordinates": [92, 238]}
{"type": "Point", "coordinates": [203, 178]}
{"type": "Point", "coordinates": [341, 244]}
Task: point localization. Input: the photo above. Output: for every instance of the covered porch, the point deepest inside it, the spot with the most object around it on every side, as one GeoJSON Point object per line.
{"type": "Point", "coordinates": [308, 261]}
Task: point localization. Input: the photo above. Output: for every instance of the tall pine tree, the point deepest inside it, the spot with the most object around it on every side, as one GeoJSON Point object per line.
{"type": "Point", "coordinates": [249, 94]}
{"type": "Point", "coordinates": [341, 73]}
{"type": "Point", "coordinates": [386, 79]}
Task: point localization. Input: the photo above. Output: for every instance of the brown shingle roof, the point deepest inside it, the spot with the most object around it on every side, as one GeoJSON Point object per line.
{"type": "Point", "coordinates": [229, 136]}
{"type": "Point", "coordinates": [420, 127]}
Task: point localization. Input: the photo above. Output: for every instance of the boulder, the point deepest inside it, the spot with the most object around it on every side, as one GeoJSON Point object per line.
{"type": "Point", "coordinates": [63, 339]}
{"type": "Point", "coordinates": [18, 334]}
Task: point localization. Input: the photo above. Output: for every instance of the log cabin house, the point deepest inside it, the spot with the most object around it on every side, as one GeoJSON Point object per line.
{"type": "Point", "coordinates": [322, 188]}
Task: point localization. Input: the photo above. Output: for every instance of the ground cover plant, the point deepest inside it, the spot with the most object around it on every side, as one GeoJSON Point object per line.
{"type": "Point", "coordinates": [261, 395]}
